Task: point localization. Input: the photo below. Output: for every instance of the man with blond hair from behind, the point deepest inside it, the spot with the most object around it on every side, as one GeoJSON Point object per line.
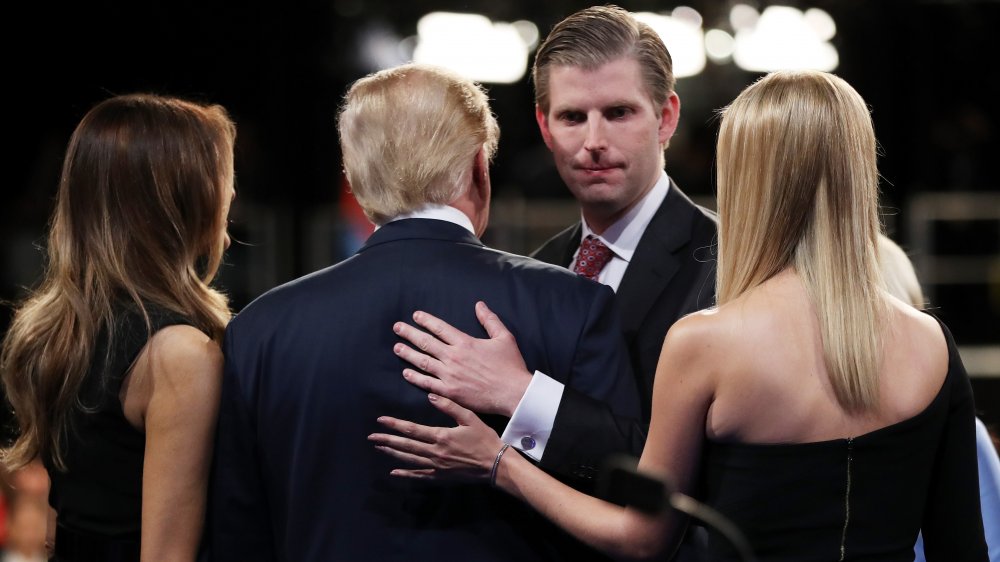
{"type": "Point", "coordinates": [310, 366]}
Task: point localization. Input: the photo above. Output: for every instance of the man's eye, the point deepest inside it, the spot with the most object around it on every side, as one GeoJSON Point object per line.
{"type": "Point", "coordinates": [572, 117]}
{"type": "Point", "coordinates": [618, 112]}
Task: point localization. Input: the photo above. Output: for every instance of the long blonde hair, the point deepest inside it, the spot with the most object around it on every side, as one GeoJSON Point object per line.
{"type": "Point", "coordinates": [138, 219]}
{"type": "Point", "coordinates": [798, 186]}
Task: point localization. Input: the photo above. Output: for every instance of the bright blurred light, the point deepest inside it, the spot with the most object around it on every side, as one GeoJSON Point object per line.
{"type": "Point", "coordinates": [474, 46]}
{"type": "Point", "coordinates": [783, 40]}
{"type": "Point", "coordinates": [381, 48]}
{"type": "Point", "coordinates": [683, 38]}
{"type": "Point", "coordinates": [528, 32]}
{"type": "Point", "coordinates": [719, 45]}
{"type": "Point", "coordinates": [822, 23]}
{"type": "Point", "coordinates": [743, 17]}
{"type": "Point", "coordinates": [687, 15]}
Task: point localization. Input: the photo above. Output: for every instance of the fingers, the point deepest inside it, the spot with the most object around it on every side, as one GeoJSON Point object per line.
{"type": "Point", "coordinates": [420, 339]}
{"type": "Point", "coordinates": [430, 384]}
{"type": "Point", "coordinates": [419, 360]}
{"type": "Point", "coordinates": [443, 330]}
{"type": "Point", "coordinates": [427, 473]}
{"type": "Point", "coordinates": [407, 458]}
{"type": "Point", "coordinates": [490, 321]}
{"type": "Point", "coordinates": [401, 444]}
{"type": "Point", "coordinates": [415, 432]}
{"type": "Point", "coordinates": [461, 415]}
{"type": "Point", "coordinates": [416, 474]}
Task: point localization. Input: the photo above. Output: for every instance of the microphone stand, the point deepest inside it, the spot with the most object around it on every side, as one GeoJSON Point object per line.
{"type": "Point", "coordinates": [623, 484]}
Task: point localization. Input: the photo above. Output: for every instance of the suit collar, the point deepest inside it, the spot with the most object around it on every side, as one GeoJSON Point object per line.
{"type": "Point", "coordinates": [657, 257]}
{"type": "Point", "coordinates": [420, 229]}
{"type": "Point", "coordinates": [562, 247]}
{"type": "Point", "coordinates": [439, 212]}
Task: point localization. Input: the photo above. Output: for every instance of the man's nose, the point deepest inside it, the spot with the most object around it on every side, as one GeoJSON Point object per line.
{"type": "Point", "coordinates": [596, 139]}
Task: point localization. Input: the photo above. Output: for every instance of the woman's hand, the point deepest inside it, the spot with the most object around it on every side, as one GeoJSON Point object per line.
{"type": "Point", "coordinates": [465, 452]}
{"type": "Point", "coordinates": [486, 375]}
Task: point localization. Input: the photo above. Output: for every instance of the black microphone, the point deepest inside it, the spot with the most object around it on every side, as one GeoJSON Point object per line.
{"type": "Point", "coordinates": [621, 483]}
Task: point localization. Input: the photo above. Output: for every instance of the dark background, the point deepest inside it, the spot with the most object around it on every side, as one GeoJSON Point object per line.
{"type": "Point", "coordinates": [927, 69]}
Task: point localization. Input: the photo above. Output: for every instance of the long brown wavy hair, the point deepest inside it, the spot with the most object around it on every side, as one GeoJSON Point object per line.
{"type": "Point", "coordinates": [139, 218]}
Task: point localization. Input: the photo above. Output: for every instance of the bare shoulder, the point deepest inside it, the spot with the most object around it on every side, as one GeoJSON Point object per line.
{"type": "Point", "coordinates": [917, 335]}
{"type": "Point", "coordinates": [179, 364]}
{"type": "Point", "coordinates": [183, 354]}
{"type": "Point", "coordinates": [697, 327]}
{"type": "Point", "coordinates": [695, 340]}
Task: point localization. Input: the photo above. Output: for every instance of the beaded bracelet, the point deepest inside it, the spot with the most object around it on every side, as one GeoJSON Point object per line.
{"type": "Point", "coordinates": [496, 463]}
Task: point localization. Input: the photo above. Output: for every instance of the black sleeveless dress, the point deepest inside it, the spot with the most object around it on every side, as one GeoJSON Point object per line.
{"type": "Point", "coordinates": [99, 497]}
{"type": "Point", "coordinates": [863, 498]}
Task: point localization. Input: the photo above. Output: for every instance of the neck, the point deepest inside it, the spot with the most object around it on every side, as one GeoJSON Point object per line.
{"type": "Point", "coordinates": [470, 209]}
{"type": "Point", "coordinates": [599, 222]}
{"type": "Point", "coordinates": [600, 217]}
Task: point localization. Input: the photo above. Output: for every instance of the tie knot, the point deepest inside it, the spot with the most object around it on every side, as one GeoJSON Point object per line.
{"type": "Point", "coordinates": [592, 257]}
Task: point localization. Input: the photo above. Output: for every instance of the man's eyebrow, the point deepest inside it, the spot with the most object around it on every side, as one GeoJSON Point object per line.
{"type": "Point", "coordinates": [626, 102]}
{"type": "Point", "coordinates": [564, 108]}
{"type": "Point", "coordinates": [622, 102]}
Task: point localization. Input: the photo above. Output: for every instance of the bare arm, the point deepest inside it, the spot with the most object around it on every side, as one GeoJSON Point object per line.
{"type": "Point", "coordinates": [469, 450]}
{"type": "Point", "coordinates": [175, 392]}
{"type": "Point", "coordinates": [682, 395]}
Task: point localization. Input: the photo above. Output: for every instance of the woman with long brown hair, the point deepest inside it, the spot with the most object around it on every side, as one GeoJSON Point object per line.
{"type": "Point", "coordinates": [112, 365]}
{"type": "Point", "coordinates": [826, 418]}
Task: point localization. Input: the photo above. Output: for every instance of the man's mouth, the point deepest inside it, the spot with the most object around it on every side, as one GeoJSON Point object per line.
{"type": "Point", "coordinates": [597, 169]}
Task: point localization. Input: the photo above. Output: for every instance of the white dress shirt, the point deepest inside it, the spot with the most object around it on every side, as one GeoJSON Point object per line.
{"type": "Point", "coordinates": [530, 426]}
{"type": "Point", "coordinates": [437, 212]}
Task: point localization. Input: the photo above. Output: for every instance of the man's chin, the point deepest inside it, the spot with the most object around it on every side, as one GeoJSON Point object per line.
{"type": "Point", "coordinates": [597, 191]}
{"type": "Point", "coordinates": [604, 203]}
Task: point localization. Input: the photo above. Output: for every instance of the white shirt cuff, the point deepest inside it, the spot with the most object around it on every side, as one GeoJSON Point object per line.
{"type": "Point", "coordinates": [529, 428]}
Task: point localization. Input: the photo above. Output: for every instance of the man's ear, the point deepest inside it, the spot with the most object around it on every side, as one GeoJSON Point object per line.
{"type": "Point", "coordinates": [543, 126]}
{"type": "Point", "coordinates": [670, 113]}
{"type": "Point", "coordinates": [480, 191]}
{"type": "Point", "coordinates": [481, 175]}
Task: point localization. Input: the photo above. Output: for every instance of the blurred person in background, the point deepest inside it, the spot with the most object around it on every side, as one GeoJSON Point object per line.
{"type": "Point", "coordinates": [26, 511]}
{"type": "Point", "coordinates": [901, 281]}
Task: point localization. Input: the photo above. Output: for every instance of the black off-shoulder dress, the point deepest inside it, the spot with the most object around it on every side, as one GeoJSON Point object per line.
{"type": "Point", "coordinates": [862, 498]}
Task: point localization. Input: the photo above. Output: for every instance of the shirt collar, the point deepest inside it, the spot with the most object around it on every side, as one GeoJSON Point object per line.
{"type": "Point", "coordinates": [438, 212]}
{"type": "Point", "coordinates": [623, 236]}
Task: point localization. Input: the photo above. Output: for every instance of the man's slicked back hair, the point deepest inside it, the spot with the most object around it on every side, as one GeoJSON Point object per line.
{"type": "Point", "coordinates": [597, 35]}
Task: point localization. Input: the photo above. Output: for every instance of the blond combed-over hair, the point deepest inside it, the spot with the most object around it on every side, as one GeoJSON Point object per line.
{"type": "Point", "coordinates": [798, 186]}
{"type": "Point", "coordinates": [409, 136]}
{"type": "Point", "coordinates": [139, 218]}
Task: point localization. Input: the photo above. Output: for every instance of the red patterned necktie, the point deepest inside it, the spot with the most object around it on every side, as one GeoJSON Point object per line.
{"type": "Point", "coordinates": [591, 258]}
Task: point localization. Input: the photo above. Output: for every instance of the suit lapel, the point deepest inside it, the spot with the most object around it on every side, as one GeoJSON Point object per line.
{"type": "Point", "coordinates": [560, 248]}
{"type": "Point", "coordinates": [655, 261]}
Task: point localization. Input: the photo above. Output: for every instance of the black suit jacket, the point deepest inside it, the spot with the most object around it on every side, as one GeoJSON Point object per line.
{"type": "Point", "coordinates": [672, 273]}
{"type": "Point", "coordinates": [309, 368]}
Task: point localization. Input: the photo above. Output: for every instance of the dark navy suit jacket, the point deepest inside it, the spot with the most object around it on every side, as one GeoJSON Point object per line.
{"type": "Point", "coordinates": [309, 368]}
{"type": "Point", "coordinates": [672, 274]}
